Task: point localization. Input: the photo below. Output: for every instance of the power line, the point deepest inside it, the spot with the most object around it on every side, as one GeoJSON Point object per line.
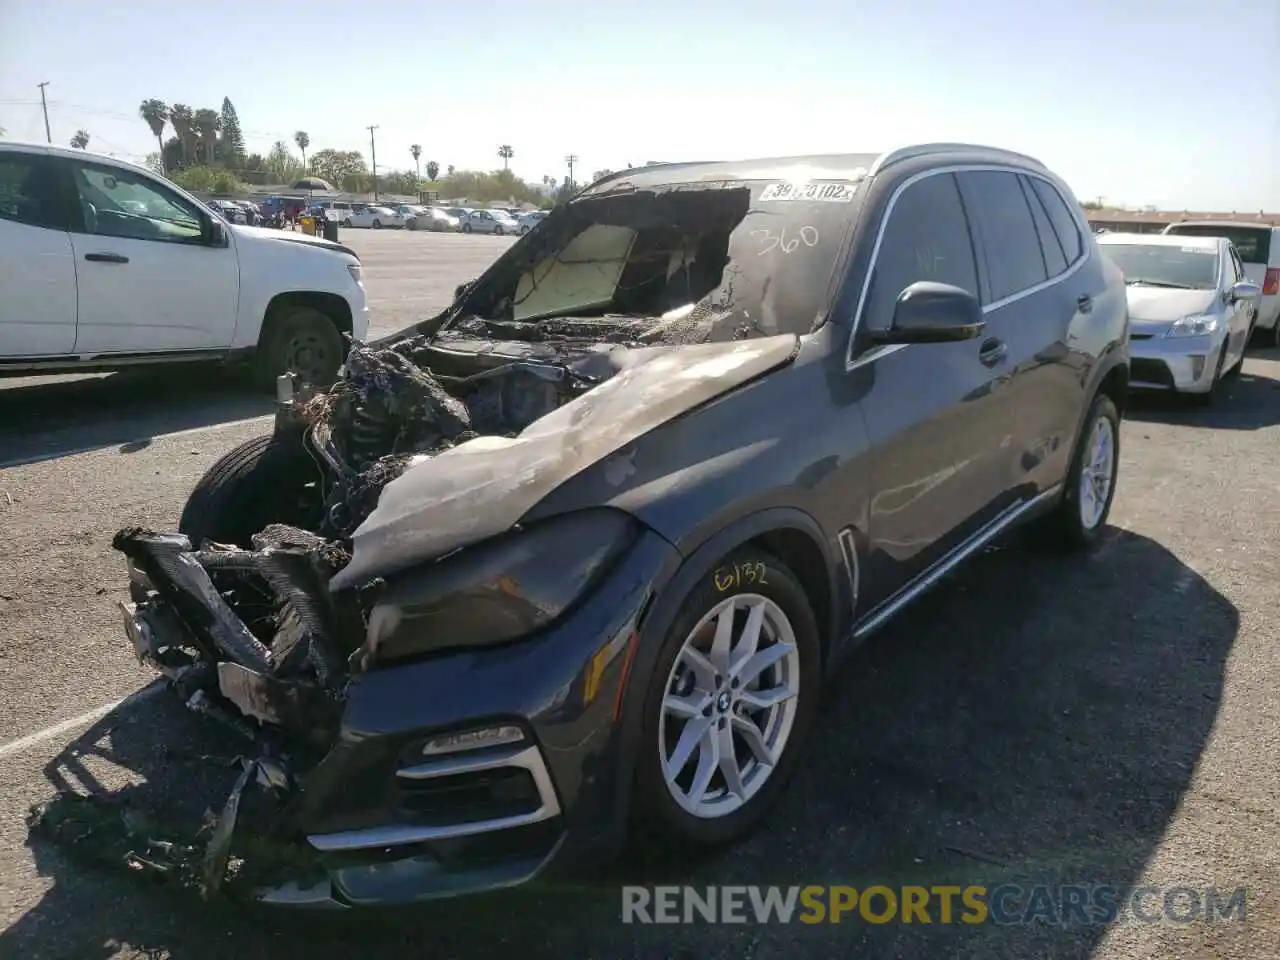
{"type": "Point", "coordinates": [373, 158]}
{"type": "Point", "coordinates": [45, 107]}
{"type": "Point", "coordinates": [571, 159]}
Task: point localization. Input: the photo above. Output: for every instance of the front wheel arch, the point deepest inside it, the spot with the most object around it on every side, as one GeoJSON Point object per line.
{"type": "Point", "coordinates": [762, 529]}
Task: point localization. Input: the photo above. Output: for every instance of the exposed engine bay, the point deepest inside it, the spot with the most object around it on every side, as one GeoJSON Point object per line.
{"type": "Point", "coordinates": [251, 633]}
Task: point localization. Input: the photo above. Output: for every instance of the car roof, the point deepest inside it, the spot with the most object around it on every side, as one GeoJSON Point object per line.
{"type": "Point", "coordinates": [1162, 240]}
{"type": "Point", "coordinates": [48, 149]}
{"type": "Point", "coordinates": [830, 166]}
{"type": "Point", "coordinates": [1225, 224]}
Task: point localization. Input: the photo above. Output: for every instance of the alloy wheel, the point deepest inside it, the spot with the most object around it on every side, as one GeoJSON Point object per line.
{"type": "Point", "coordinates": [730, 703]}
{"type": "Point", "coordinates": [1097, 473]}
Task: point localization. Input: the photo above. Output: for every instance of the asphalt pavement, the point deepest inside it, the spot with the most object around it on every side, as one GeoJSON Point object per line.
{"type": "Point", "coordinates": [1036, 720]}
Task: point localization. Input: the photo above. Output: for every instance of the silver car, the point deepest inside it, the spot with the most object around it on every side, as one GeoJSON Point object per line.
{"type": "Point", "coordinates": [497, 222]}
{"type": "Point", "coordinates": [1191, 310]}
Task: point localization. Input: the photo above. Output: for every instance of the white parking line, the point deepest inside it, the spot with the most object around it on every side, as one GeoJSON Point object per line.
{"type": "Point", "coordinates": [14, 747]}
{"type": "Point", "coordinates": [75, 451]}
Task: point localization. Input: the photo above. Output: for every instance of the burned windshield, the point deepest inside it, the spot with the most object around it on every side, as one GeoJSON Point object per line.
{"type": "Point", "coordinates": [690, 264]}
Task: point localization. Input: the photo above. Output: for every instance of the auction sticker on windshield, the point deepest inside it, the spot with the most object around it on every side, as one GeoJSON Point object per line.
{"type": "Point", "coordinates": [821, 192]}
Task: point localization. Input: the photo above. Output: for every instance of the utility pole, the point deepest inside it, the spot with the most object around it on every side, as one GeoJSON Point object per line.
{"type": "Point", "coordinates": [44, 105]}
{"type": "Point", "coordinates": [373, 157]}
{"type": "Point", "coordinates": [571, 159]}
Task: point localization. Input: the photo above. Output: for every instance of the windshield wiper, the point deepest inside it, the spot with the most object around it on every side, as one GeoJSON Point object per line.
{"type": "Point", "coordinates": [1161, 283]}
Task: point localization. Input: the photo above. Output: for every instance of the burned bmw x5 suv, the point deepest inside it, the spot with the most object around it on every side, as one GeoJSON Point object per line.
{"type": "Point", "coordinates": [571, 560]}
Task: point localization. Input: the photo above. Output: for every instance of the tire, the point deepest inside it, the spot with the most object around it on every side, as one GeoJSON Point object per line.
{"type": "Point", "coordinates": [411, 224]}
{"type": "Point", "coordinates": [301, 340]}
{"type": "Point", "coordinates": [523, 231]}
{"type": "Point", "coordinates": [466, 228]}
{"type": "Point", "coordinates": [262, 481]}
{"type": "Point", "coordinates": [497, 231]}
{"type": "Point", "coordinates": [377, 224]}
{"type": "Point", "coordinates": [1066, 528]}
{"type": "Point", "coordinates": [661, 818]}
{"type": "Point", "coordinates": [347, 223]}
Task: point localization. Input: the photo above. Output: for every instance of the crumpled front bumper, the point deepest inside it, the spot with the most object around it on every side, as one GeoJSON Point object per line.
{"type": "Point", "coordinates": [460, 773]}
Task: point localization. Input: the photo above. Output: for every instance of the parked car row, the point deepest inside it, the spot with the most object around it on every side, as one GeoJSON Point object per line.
{"type": "Point", "coordinates": [405, 216]}
{"type": "Point", "coordinates": [1197, 293]}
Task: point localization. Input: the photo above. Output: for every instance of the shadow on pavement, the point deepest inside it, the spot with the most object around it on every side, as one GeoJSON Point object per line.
{"type": "Point", "coordinates": [47, 419]}
{"type": "Point", "coordinates": [1036, 721]}
{"type": "Point", "coordinates": [1248, 401]}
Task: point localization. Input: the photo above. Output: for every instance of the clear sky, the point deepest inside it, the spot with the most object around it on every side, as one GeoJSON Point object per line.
{"type": "Point", "coordinates": [1079, 85]}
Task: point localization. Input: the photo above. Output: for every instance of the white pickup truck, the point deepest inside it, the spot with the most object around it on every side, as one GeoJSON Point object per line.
{"type": "Point", "coordinates": [105, 265]}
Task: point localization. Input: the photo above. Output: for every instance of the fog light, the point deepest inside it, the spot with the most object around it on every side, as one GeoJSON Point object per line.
{"type": "Point", "coordinates": [1197, 366]}
{"type": "Point", "coordinates": [472, 740]}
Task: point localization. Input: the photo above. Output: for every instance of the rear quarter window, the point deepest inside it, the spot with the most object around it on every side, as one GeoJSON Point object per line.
{"type": "Point", "coordinates": [999, 210]}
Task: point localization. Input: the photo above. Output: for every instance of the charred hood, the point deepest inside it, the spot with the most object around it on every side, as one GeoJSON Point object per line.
{"type": "Point", "coordinates": [484, 486]}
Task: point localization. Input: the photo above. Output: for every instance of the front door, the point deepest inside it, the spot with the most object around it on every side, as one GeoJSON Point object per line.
{"type": "Point", "coordinates": [935, 413]}
{"type": "Point", "coordinates": [148, 279]}
{"type": "Point", "coordinates": [37, 268]}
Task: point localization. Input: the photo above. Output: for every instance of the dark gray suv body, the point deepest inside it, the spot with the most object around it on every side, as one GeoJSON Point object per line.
{"type": "Point", "coordinates": [732, 417]}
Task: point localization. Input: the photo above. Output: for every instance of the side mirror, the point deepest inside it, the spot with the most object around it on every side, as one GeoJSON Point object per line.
{"type": "Point", "coordinates": [217, 233]}
{"type": "Point", "coordinates": [929, 312]}
{"type": "Point", "coordinates": [1245, 290]}
{"type": "Point", "coordinates": [462, 289]}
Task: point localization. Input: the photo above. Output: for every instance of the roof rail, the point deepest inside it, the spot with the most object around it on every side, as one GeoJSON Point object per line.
{"type": "Point", "coordinates": [924, 149]}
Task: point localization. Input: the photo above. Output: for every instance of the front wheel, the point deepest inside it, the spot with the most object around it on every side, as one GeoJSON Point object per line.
{"type": "Point", "coordinates": [300, 340]}
{"type": "Point", "coordinates": [377, 224]}
{"type": "Point", "coordinates": [497, 231]}
{"type": "Point", "coordinates": [732, 697]}
{"type": "Point", "coordinates": [262, 481]}
{"type": "Point", "coordinates": [523, 231]}
{"type": "Point", "coordinates": [466, 228]}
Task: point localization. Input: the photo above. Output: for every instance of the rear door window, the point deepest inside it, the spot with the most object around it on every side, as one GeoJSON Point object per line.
{"type": "Point", "coordinates": [1252, 243]}
{"type": "Point", "coordinates": [1065, 225]}
{"type": "Point", "coordinates": [927, 238]}
{"type": "Point", "coordinates": [1003, 220]}
{"type": "Point", "coordinates": [29, 191]}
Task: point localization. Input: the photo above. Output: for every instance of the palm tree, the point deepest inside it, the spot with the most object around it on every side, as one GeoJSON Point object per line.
{"type": "Point", "coordinates": [156, 114]}
{"type": "Point", "coordinates": [80, 140]}
{"type": "Point", "coordinates": [416, 151]}
{"type": "Point", "coordinates": [303, 141]}
{"type": "Point", "coordinates": [208, 123]}
{"type": "Point", "coordinates": [433, 170]}
{"type": "Point", "coordinates": [506, 153]}
{"type": "Point", "coordinates": [181, 116]}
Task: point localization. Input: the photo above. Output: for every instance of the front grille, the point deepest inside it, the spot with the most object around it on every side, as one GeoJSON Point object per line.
{"type": "Point", "coordinates": [1144, 370]}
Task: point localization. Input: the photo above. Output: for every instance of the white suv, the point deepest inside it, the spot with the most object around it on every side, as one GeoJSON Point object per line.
{"type": "Point", "coordinates": [104, 265]}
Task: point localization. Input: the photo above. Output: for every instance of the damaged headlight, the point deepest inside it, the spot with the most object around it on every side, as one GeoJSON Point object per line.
{"type": "Point", "coordinates": [500, 590]}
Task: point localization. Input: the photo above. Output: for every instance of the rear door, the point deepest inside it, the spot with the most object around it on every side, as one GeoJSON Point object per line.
{"type": "Point", "coordinates": [37, 265]}
{"type": "Point", "coordinates": [935, 416]}
{"type": "Point", "coordinates": [148, 279]}
{"type": "Point", "coordinates": [1033, 249]}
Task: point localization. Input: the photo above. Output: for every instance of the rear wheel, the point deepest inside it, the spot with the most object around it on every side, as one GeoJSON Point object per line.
{"type": "Point", "coordinates": [347, 222]}
{"type": "Point", "coordinates": [262, 481]}
{"type": "Point", "coordinates": [732, 697]}
{"type": "Point", "coordinates": [300, 340]}
{"type": "Point", "coordinates": [1078, 520]}
{"type": "Point", "coordinates": [377, 224]}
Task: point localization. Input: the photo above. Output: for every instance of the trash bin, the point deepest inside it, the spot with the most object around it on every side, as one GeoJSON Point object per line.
{"type": "Point", "coordinates": [331, 230]}
{"type": "Point", "coordinates": [309, 226]}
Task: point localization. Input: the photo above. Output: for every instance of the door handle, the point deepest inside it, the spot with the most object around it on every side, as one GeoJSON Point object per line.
{"type": "Point", "coordinates": [993, 351]}
{"type": "Point", "coordinates": [106, 258]}
{"type": "Point", "coordinates": [1084, 302]}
